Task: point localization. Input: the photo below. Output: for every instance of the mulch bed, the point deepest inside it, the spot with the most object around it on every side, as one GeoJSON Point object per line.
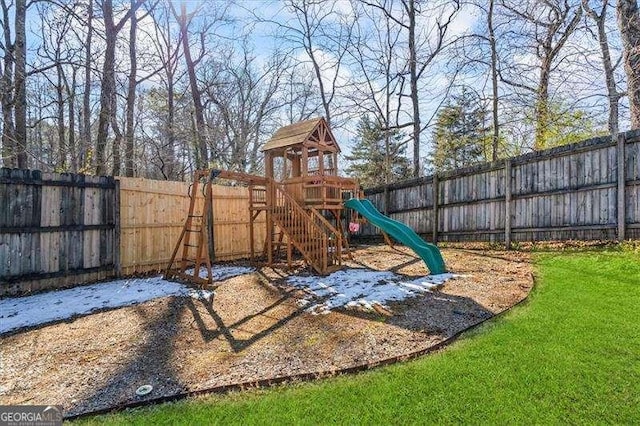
{"type": "Point", "coordinates": [255, 329]}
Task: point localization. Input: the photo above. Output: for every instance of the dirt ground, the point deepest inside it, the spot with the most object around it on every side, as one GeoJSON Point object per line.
{"type": "Point", "coordinates": [255, 329]}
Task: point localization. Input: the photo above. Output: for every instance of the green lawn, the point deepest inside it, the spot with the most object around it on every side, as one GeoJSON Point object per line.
{"type": "Point", "coordinates": [571, 354]}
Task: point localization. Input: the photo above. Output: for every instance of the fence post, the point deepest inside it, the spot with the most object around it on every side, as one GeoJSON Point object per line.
{"type": "Point", "coordinates": [117, 229]}
{"type": "Point", "coordinates": [621, 218]}
{"type": "Point", "coordinates": [435, 190]}
{"type": "Point", "coordinates": [387, 198]}
{"type": "Point", "coordinates": [507, 203]}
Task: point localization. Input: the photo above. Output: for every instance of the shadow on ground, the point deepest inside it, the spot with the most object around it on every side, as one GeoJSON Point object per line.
{"type": "Point", "coordinates": [150, 364]}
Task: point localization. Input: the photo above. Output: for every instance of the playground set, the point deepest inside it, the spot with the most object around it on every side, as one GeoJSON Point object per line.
{"type": "Point", "coordinates": [303, 199]}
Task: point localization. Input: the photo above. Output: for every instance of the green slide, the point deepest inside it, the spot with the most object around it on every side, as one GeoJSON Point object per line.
{"type": "Point", "coordinates": [402, 233]}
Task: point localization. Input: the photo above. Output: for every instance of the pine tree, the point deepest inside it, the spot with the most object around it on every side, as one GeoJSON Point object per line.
{"type": "Point", "coordinates": [460, 136]}
{"type": "Point", "coordinates": [378, 156]}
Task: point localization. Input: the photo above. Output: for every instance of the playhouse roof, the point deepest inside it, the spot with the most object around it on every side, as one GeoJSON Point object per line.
{"type": "Point", "coordinates": [314, 130]}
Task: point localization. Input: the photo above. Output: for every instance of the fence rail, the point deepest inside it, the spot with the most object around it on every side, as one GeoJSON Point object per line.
{"type": "Point", "coordinates": [570, 192]}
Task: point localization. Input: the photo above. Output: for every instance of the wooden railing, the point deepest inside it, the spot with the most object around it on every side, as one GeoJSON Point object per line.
{"type": "Point", "coordinates": [257, 196]}
{"type": "Point", "coordinates": [320, 191]}
{"type": "Point", "coordinates": [308, 231]}
{"type": "Point", "coordinates": [334, 246]}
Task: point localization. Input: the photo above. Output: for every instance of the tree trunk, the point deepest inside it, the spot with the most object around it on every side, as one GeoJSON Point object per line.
{"type": "Point", "coordinates": [612, 91]}
{"type": "Point", "coordinates": [59, 153]}
{"type": "Point", "coordinates": [388, 92]}
{"type": "Point", "coordinates": [495, 139]}
{"type": "Point", "coordinates": [323, 95]}
{"type": "Point", "coordinates": [629, 25]}
{"type": "Point", "coordinates": [107, 92]}
{"type": "Point", "coordinates": [6, 91]}
{"type": "Point", "coordinates": [117, 144]}
{"type": "Point", "coordinates": [73, 150]}
{"type": "Point", "coordinates": [20, 101]}
{"type": "Point", "coordinates": [86, 96]}
{"type": "Point", "coordinates": [201, 144]}
{"type": "Point", "coordinates": [542, 105]}
{"type": "Point", "coordinates": [413, 65]}
{"type": "Point", "coordinates": [131, 96]}
{"type": "Point", "coordinates": [171, 173]}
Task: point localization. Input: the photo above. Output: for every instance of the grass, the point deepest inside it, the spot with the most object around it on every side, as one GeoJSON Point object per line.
{"type": "Point", "coordinates": [571, 354]}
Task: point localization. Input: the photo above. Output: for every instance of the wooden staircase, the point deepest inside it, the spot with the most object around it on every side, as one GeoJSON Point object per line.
{"type": "Point", "coordinates": [306, 230]}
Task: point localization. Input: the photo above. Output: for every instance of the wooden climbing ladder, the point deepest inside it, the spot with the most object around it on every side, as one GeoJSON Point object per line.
{"type": "Point", "coordinates": [193, 244]}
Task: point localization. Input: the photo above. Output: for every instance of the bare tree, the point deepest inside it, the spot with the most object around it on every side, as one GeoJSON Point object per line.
{"type": "Point", "coordinates": [60, 51]}
{"type": "Point", "coordinates": [108, 90]}
{"type": "Point", "coordinates": [424, 45]}
{"type": "Point", "coordinates": [495, 115]}
{"type": "Point", "coordinates": [480, 50]}
{"type": "Point", "coordinates": [7, 86]}
{"type": "Point", "coordinates": [167, 51]}
{"type": "Point", "coordinates": [373, 50]}
{"type": "Point", "coordinates": [70, 84]}
{"type": "Point", "coordinates": [629, 24]}
{"type": "Point", "coordinates": [184, 20]}
{"type": "Point", "coordinates": [318, 31]}
{"type": "Point", "coordinates": [613, 95]}
{"type": "Point", "coordinates": [245, 98]}
{"type": "Point", "coordinates": [14, 94]}
{"type": "Point", "coordinates": [20, 84]}
{"type": "Point", "coordinates": [132, 85]}
{"type": "Point", "coordinates": [546, 27]}
{"type": "Point", "coordinates": [86, 95]}
{"type": "Point", "coordinates": [131, 94]}
{"type": "Point", "coordinates": [322, 32]}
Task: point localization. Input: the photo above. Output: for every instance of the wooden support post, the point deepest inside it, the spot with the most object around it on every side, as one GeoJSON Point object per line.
{"type": "Point", "coordinates": [269, 211]}
{"type": "Point", "coordinates": [387, 239]}
{"type": "Point", "coordinates": [268, 165]}
{"type": "Point", "coordinates": [269, 199]}
{"type": "Point", "coordinates": [337, 214]}
{"type": "Point", "coordinates": [621, 188]}
{"type": "Point", "coordinates": [507, 204]}
{"type": "Point", "coordinates": [323, 189]}
{"type": "Point", "coordinates": [324, 256]}
{"type": "Point", "coordinates": [435, 191]}
{"type": "Point", "coordinates": [210, 217]}
{"type": "Point", "coordinates": [295, 166]}
{"type": "Point", "coordinates": [305, 161]}
{"type": "Point", "coordinates": [251, 219]}
{"type": "Point", "coordinates": [284, 164]}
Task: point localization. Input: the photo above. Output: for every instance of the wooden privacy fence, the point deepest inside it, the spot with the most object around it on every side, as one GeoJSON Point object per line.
{"type": "Point", "coordinates": [153, 213]}
{"type": "Point", "coordinates": [56, 229]}
{"type": "Point", "coordinates": [570, 192]}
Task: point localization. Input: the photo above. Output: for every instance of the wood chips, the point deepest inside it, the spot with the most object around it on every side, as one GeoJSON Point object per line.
{"type": "Point", "coordinates": [255, 329]}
